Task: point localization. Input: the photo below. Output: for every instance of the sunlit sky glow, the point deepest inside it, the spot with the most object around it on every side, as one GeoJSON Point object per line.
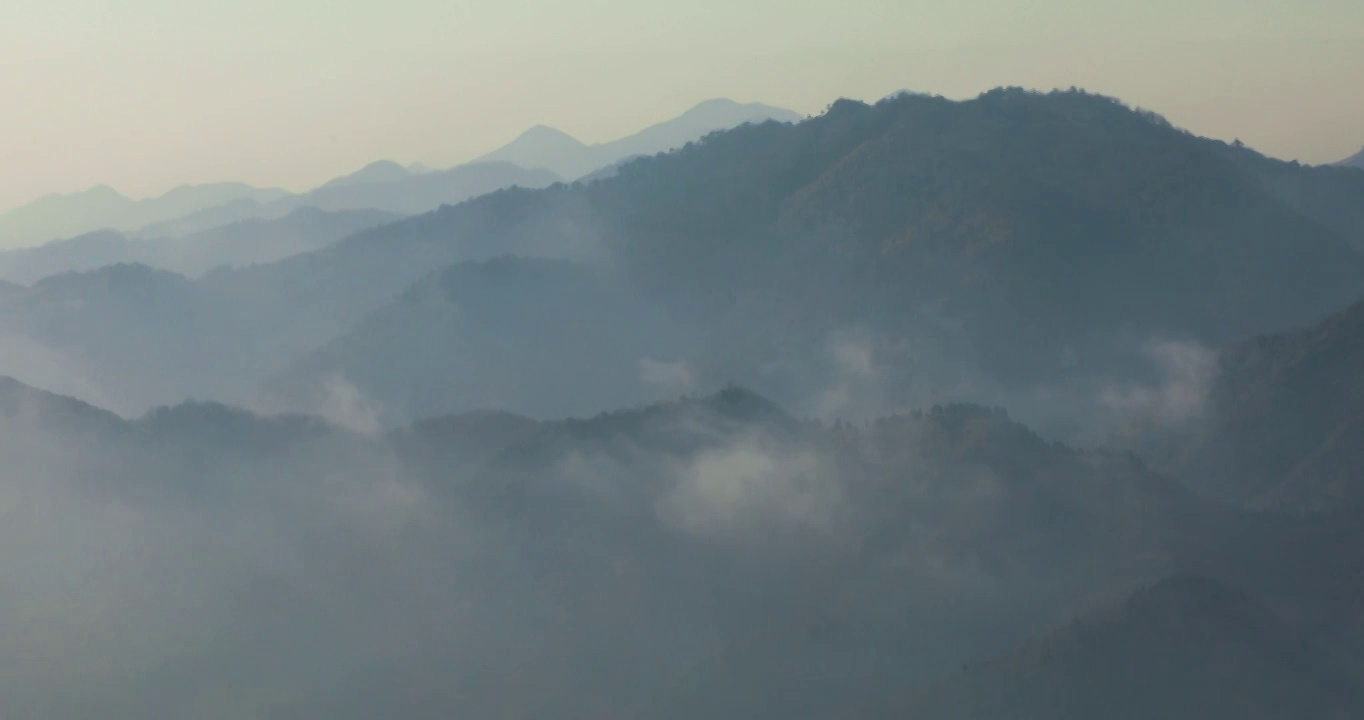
{"type": "Point", "coordinates": [148, 94]}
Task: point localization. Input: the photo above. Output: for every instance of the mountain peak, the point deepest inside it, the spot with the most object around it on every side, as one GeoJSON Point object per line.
{"type": "Point", "coordinates": [545, 147]}
{"type": "Point", "coordinates": [547, 134]}
{"type": "Point", "coordinates": [379, 171]}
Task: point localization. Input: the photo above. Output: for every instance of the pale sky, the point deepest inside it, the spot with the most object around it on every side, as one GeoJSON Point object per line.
{"type": "Point", "coordinates": [144, 95]}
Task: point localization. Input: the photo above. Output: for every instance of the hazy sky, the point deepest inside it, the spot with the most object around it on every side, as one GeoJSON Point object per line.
{"type": "Point", "coordinates": [147, 94]}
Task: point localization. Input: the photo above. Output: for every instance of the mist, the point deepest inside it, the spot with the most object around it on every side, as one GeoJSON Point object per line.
{"type": "Point", "coordinates": [1025, 404]}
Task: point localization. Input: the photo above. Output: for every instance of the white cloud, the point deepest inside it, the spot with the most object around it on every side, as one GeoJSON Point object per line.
{"type": "Point", "coordinates": [747, 485]}
{"type": "Point", "coordinates": [1179, 395]}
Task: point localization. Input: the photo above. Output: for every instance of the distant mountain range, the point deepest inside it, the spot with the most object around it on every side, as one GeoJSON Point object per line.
{"type": "Point", "coordinates": [545, 147]}
{"type": "Point", "coordinates": [62, 216]}
{"type": "Point", "coordinates": [539, 158]}
{"type": "Point", "coordinates": [236, 244]}
{"type": "Point", "coordinates": [382, 187]}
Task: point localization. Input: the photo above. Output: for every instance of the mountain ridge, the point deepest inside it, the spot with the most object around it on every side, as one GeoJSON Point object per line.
{"type": "Point", "coordinates": [544, 146]}
{"type": "Point", "coordinates": [57, 216]}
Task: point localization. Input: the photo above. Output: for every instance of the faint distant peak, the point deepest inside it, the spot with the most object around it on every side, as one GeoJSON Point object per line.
{"type": "Point", "coordinates": [545, 147]}
{"type": "Point", "coordinates": [547, 134]}
{"type": "Point", "coordinates": [1356, 160]}
{"type": "Point", "coordinates": [103, 190]}
{"type": "Point", "coordinates": [379, 171]}
{"type": "Point", "coordinates": [727, 112]}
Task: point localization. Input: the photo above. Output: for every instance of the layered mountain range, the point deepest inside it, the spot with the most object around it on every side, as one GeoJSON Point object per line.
{"type": "Point", "coordinates": [1025, 406]}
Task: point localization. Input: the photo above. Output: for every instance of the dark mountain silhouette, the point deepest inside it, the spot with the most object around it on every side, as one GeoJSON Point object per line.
{"type": "Point", "coordinates": [1285, 426]}
{"type": "Point", "coordinates": [236, 244]}
{"type": "Point", "coordinates": [545, 147]}
{"type": "Point", "coordinates": [1187, 647]}
{"type": "Point", "coordinates": [64, 216]}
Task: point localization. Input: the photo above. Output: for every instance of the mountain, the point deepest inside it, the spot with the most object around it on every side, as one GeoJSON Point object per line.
{"type": "Point", "coordinates": [236, 244]}
{"type": "Point", "coordinates": [380, 187]}
{"type": "Point", "coordinates": [262, 241]}
{"type": "Point", "coordinates": [1060, 253]}
{"type": "Point", "coordinates": [26, 266]}
{"type": "Point", "coordinates": [63, 216]}
{"type": "Point", "coordinates": [544, 147]}
{"type": "Point", "coordinates": [1356, 160]}
{"type": "Point", "coordinates": [713, 556]}
{"type": "Point", "coordinates": [130, 337]}
{"type": "Point", "coordinates": [1019, 247]}
{"type": "Point", "coordinates": [1285, 424]}
{"type": "Point", "coordinates": [45, 411]}
{"type": "Point", "coordinates": [1186, 648]}
{"type": "Point", "coordinates": [609, 171]}
{"type": "Point", "coordinates": [410, 194]}
{"type": "Point", "coordinates": [470, 338]}
{"type": "Point", "coordinates": [381, 171]}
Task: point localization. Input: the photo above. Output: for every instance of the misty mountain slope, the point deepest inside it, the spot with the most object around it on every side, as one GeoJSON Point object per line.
{"type": "Point", "coordinates": [49, 411]}
{"type": "Point", "coordinates": [1019, 248]}
{"type": "Point", "coordinates": [410, 194]}
{"type": "Point", "coordinates": [609, 171]}
{"type": "Point", "coordinates": [1062, 215]}
{"type": "Point", "coordinates": [212, 218]}
{"type": "Point", "coordinates": [323, 294]}
{"type": "Point", "coordinates": [950, 566]}
{"type": "Point", "coordinates": [1327, 194]}
{"type": "Point", "coordinates": [127, 336]}
{"type": "Point", "coordinates": [1285, 420]}
{"type": "Point", "coordinates": [1187, 647]}
{"type": "Point", "coordinates": [841, 559]}
{"type": "Point", "coordinates": [708, 557]}
{"type": "Point", "coordinates": [532, 336]}
{"type": "Point", "coordinates": [1356, 160]}
{"type": "Point", "coordinates": [82, 253]}
{"type": "Point", "coordinates": [998, 245]}
{"type": "Point", "coordinates": [252, 242]}
{"type": "Point", "coordinates": [64, 216]}
{"type": "Point", "coordinates": [236, 244]}
{"type": "Point", "coordinates": [544, 147]}
{"type": "Point", "coordinates": [377, 187]}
